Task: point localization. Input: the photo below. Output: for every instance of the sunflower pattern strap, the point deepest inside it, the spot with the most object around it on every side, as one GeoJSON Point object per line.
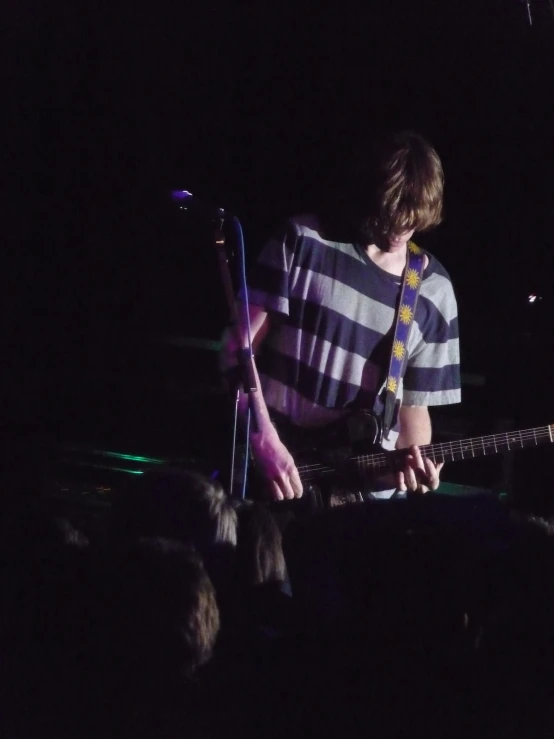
{"type": "Point", "coordinates": [404, 319]}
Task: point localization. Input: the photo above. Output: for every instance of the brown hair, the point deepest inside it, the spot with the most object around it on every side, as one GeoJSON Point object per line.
{"type": "Point", "coordinates": [260, 557]}
{"type": "Point", "coordinates": [179, 504]}
{"type": "Point", "coordinates": [165, 612]}
{"type": "Point", "coordinates": [176, 503]}
{"type": "Point", "coordinates": [389, 186]}
{"type": "Point", "coordinates": [409, 184]}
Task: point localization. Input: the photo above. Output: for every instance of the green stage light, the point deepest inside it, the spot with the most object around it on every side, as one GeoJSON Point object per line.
{"type": "Point", "coordinates": [113, 455]}
{"type": "Point", "coordinates": [132, 457]}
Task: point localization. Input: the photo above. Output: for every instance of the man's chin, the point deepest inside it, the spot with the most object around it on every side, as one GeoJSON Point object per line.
{"type": "Point", "coordinates": [396, 245]}
{"type": "Point", "coordinates": [392, 245]}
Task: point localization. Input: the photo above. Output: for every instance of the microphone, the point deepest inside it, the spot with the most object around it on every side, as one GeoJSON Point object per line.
{"type": "Point", "coordinates": [188, 202]}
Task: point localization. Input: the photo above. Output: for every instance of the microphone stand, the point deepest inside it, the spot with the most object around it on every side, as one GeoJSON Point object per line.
{"type": "Point", "coordinates": [244, 375]}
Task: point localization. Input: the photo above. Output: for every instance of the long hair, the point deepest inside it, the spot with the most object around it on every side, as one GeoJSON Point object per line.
{"type": "Point", "coordinates": [392, 186]}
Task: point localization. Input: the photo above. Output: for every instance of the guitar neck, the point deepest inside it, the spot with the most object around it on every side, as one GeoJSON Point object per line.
{"type": "Point", "coordinates": [478, 446]}
{"type": "Point", "coordinates": [481, 446]}
{"type": "Point", "coordinates": [448, 451]}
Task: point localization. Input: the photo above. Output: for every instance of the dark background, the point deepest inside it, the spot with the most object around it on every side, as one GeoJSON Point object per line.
{"type": "Point", "coordinates": [108, 107]}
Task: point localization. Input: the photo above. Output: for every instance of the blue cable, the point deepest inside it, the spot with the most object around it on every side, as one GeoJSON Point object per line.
{"type": "Point", "coordinates": [244, 290]}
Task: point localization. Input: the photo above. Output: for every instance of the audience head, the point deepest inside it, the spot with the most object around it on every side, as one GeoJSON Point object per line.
{"type": "Point", "coordinates": [260, 557]}
{"type": "Point", "coordinates": [165, 611]}
{"type": "Point", "coordinates": [186, 506]}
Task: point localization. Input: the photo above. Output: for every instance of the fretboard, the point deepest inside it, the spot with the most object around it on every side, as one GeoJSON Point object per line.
{"type": "Point", "coordinates": [478, 446]}
{"type": "Point", "coordinates": [447, 451]}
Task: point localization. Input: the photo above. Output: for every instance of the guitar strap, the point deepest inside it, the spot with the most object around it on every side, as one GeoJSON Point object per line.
{"type": "Point", "coordinates": [404, 319]}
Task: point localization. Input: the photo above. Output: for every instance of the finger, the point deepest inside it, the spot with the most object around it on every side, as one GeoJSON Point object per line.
{"type": "Point", "coordinates": [432, 474]}
{"type": "Point", "coordinates": [401, 482]}
{"type": "Point", "coordinates": [420, 487]}
{"type": "Point", "coordinates": [417, 457]}
{"type": "Point", "coordinates": [407, 473]}
{"type": "Point", "coordinates": [285, 487]}
{"type": "Point", "coordinates": [296, 483]}
{"type": "Point", "coordinates": [425, 472]}
{"type": "Point", "coordinates": [275, 491]}
{"type": "Point", "coordinates": [411, 478]}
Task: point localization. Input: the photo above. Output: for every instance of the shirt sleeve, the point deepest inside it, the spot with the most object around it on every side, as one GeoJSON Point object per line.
{"type": "Point", "coordinates": [269, 277]}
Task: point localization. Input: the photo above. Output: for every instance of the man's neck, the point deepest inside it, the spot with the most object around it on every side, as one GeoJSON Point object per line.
{"type": "Point", "coordinates": [392, 261]}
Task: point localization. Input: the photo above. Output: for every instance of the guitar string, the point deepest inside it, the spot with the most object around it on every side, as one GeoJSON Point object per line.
{"type": "Point", "coordinates": [455, 448]}
{"type": "Point", "coordinates": [508, 437]}
{"type": "Point", "coordinates": [461, 446]}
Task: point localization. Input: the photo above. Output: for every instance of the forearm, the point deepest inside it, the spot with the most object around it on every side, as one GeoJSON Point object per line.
{"type": "Point", "coordinates": [237, 364]}
{"type": "Point", "coordinates": [274, 461]}
{"type": "Point", "coordinates": [253, 400]}
{"type": "Point", "coordinates": [415, 427]}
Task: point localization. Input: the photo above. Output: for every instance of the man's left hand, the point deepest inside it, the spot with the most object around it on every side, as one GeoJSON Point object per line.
{"type": "Point", "coordinates": [419, 474]}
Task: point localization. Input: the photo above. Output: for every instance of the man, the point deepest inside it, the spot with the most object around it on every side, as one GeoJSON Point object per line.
{"type": "Point", "coordinates": [322, 299]}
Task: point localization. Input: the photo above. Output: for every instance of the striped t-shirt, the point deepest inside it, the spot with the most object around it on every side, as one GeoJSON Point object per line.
{"type": "Point", "coordinates": [332, 319]}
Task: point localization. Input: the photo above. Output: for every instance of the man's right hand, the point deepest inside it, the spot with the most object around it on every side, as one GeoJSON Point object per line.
{"type": "Point", "coordinates": [277, 467]}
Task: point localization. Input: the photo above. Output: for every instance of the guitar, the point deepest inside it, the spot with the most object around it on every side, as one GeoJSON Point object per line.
{"type": "Point", "coordinates": [321, 459]}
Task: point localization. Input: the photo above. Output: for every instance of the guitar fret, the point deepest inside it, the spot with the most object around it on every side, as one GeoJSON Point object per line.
{"type": "Point", "coordinates": [444, 451]}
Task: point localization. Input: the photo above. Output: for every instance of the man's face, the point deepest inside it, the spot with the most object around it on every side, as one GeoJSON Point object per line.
{"type": "Point", "coordinates": [394, 242]}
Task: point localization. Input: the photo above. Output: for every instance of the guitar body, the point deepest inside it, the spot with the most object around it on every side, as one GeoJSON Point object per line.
{"type": "Point", "coordinates": [329, 452]}
{"type": "Point", "coordinates": [324, 458]}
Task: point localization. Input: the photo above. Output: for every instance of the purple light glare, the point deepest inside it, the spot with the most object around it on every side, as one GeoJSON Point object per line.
{"type": "Point", "coordinates": [181, 194]}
